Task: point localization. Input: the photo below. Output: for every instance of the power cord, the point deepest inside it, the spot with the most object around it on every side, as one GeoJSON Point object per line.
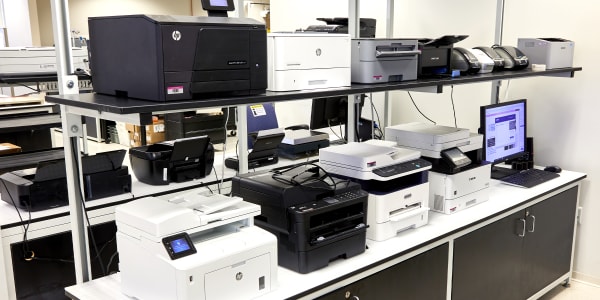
{"type": "Point", "coordinates": [453, 107]}
{"type": "Point", "coordinates": [422, 114]}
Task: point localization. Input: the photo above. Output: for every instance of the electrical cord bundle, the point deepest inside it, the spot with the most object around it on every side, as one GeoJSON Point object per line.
{"type": "Point", "coordinates": [316, 174]}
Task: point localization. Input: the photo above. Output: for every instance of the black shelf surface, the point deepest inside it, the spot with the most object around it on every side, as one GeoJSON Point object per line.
{"type": "Point", "coordinates": [14, 78]}
{"type": "Point", "coordinates": [116, 105]}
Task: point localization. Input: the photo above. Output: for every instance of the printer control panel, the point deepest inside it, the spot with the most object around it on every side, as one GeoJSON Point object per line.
{"type": "Point", "coordinates": [400, 168]}
{"type": "Point", "coordinates": [343, 197]}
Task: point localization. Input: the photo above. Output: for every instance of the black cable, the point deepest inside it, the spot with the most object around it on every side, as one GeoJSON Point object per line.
{"type": "Point", "coordinates": [422, 114]}
{"type": "Point", "coordinates": [378, 128]}
{"type": "Point", "coordinates": [111, 260]}
{"type": "Point", "coordinates": [37, 91]}
{"type": "Point", "coordinates": [217, 179]}
{"type": "Point", "coordinates": [25, 246]}
{"type": "Point", "coordinates": [453, 107]}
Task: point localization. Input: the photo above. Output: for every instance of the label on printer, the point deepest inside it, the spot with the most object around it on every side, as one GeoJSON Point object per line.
{"type": "Point", "coordinates": [172, 90]}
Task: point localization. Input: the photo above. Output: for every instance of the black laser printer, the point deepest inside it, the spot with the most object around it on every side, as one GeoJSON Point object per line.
{"type": "Point", "coordinates": [166, 58]}
{"type": "Point", "coordinates": [316, 218]}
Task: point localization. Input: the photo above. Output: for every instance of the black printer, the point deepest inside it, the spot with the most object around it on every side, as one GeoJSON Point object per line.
{"type": "Point", "coordinates": [173, 161]}
{"type": "Point", "coordinates": [436, 55]}
{"type": "Point", "coordinates": [45, 186]}
{"type": "Point", "coordinates": [367, 26]}
{"type": "Point", "coordinates": [316, 218]}
{"type": "Point", "coordinates": [165, 58]}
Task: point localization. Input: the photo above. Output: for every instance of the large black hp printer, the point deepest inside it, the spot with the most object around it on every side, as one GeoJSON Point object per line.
{"type": "Point", "coordinates": [165, 58]}
{"type": "Point", "coordinates": [45, 186]}
{"type": "Point", "coordinates": [316, 218]}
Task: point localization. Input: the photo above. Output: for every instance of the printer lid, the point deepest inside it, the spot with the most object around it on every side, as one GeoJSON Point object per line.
{"type": "Point", "coordinates": [365, 156]}
{"type": "Point", "coordinates": [445, 40]}
{"type": "Point", "coordinates": [169, 20]}
{"type": "Point", "coordinates": [425, 133]}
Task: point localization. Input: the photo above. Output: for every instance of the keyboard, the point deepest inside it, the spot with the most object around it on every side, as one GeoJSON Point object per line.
{"type": "Point", "coordinates": [529, 178]}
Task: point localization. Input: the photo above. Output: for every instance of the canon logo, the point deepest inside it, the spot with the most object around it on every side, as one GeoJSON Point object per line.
{"type": "Point", "coordinates": [472, 178]}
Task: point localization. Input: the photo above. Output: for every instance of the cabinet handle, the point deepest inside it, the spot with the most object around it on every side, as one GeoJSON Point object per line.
{"type": "Point", "coordinates": [524, 222]}
{"type": "Point", "coordinates": [532, 224]}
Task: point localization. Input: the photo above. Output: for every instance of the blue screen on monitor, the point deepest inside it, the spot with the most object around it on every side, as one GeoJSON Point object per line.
{"type": "Point", "coordinates": [504, 129]}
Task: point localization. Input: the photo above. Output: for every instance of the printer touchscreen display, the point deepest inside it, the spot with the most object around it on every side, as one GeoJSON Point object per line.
{"type": "Point", "coordinates": [179, 245]}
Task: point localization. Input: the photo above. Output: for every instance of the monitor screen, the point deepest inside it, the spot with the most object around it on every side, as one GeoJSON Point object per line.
{"type": "Point", "coordinates": [218, 5]}
{"type": "Point", "coordinates": [504, 130]}
{"type": "Point", "coordinates": [328, 112]}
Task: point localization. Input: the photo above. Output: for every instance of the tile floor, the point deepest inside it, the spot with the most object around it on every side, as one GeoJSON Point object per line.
{"type": "Point", "coordinates": [577, 291]}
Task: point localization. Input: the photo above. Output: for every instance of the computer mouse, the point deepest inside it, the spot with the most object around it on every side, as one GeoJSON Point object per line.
{"type": "Point", "coordinates": [554, 169]}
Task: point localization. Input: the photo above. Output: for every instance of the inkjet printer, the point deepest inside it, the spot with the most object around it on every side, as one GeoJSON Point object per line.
{"type": "Point", "coordinates": [315, 217]}
{"type": "Point", "coordinates": [194, 246]}
{"type": "Point", "coordinates": [459, 178]}
{"type": "Point", "coordinates": [45, 186]}
{"type": "Point", "coordinates": [308, 60]}
{"type": "Point", "coordinates": [367, 26]}
{"type": "Point", "coordinates": [396, 180]}
{"type": "Point", "coordinates": [173, 161]}
{"type": "Point", "coordinates": [436, 55]}
{"type": "Point", "coordinates": [167, 58]}
{"type": "Point", "coordinates": [384, 60]}
{"type": "Point", "coordinates": [264, 149]}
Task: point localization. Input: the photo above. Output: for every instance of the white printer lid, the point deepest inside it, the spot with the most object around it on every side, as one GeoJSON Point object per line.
{"type": "Point", "coordinates": [425, 136]}
{"type": "Point", "coordinates": [365, 156]}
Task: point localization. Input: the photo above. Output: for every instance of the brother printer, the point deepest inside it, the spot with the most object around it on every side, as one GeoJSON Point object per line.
{"type": "Point", "coordinates": [315, 217]}
{"type": "Point", "coordinates": [308, 60]}
{"type": "Point", "coordinates": [459, 178]}
{"type": "Point", "coordinates": [552, 52]}
{"type": "Point", "coordinates": [45, 186]}
{"type": "Point", "coordinates": [384, 60]}
{"type": "Point", "coordinates": [166, 58]}
{"type": "Point", "coordinates": [436, 55]}
{"type": "Point", "coordinates": [194, 246]}
{"type": "Point", "coordinates": [396, 180]}
{"type": "Point", "coordinates": [173, 161]}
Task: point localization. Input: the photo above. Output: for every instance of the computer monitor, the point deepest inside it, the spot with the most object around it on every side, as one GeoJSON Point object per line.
{"type": "Point", "coordinates": [331, 111]}
{"type": "Point", "coordinates": [504, 128]}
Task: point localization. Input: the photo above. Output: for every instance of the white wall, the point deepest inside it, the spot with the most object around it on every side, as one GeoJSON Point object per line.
{"type": "Point", "coordinates": [561, 111]}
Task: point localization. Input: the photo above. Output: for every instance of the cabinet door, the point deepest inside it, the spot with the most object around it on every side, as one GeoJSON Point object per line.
{"type": "Point", "coordinates": [549, 241]}
{"type": "Point", "coordinates": [421, 277]}
{"type": "Point", "coordinates": [487, 261]}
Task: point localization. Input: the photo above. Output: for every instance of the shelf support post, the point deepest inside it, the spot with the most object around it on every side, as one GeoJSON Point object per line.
{"type": "Point", "coordinates": [354, 31]}
{"type": "Point", "coordinates": [242, 133]}
{"type": "Point", "coordinates": [498, 41]}
{"type": "Point", "coordinates": [389, 33]}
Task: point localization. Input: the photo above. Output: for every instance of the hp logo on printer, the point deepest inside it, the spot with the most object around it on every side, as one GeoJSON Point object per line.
{"type": "Point", "coordinates": [176, 35]}
{"type": "Point", "coordinates": [318, 52]}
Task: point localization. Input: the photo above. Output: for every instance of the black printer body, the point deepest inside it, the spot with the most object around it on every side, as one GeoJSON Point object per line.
{"type": "Point", "coordinates": [166, 58]}
{"type": "Point", "coordinates": [315, 222]}
{"type": "Point", "coordinates": [45, 186]}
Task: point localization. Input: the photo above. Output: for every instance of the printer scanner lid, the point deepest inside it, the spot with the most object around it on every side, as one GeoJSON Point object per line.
{"type": "Point", "coordinates": [168, 20]}
{"type": "Point", "coordinates": [365, 156]}
{"type": "Point", "coordinates": [425, 133]}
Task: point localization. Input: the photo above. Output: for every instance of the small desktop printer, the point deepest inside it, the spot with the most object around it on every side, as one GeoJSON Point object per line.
{"type": "Point", "coordinates": [37, 60]}
{"type": "Point", "coordinates": [195, 246]}
{"type": "Point", "coordinates": [308, 60]}
{"type": "Point", "coordinates": [384, 60]}
{"type": "Point", "coordinates": [436, 55]}
{"type": "Point", "coordinates": [367, 26]}
{"type": "Point", "coordinates": [552, 52]}
{"type": "Point", "coordinates": [167, 58]}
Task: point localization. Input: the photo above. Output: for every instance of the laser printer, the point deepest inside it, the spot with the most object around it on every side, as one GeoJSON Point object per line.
{"type": "Point", "coordinates": [384, 60]}
{"type": "Point", "coordinates": [552, 52]}
{"type": "Point", "coordinates": [436, 55]}
{"type": "Point", "coordinates": [45, 185]}
{"type": "Point", "coordinates": [459, 178]}
{"type": "Point", "coordinates": [307, 60]}
{"type": "Point", "coordinates": [167, 58]}
{"type": "Point", "coordinates": [37, 60]}
{"type": "Point", "coordinates": [316, 218]}
{"type": "Point", "coordinates": [396, 180]}
{"type": "Point", "coordinates": [194, 246]}
{"type": "Point", "coordinates": [367, 26]}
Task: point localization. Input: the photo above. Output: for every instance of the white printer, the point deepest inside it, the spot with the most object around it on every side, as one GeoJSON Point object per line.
{"type": "Point", "coordinates": [396, 180]}
{"type": "Point", "coordinates": [37, 59]}
{"type": "Point", "coordinates": [196, 246]}
{"type": "Point", "coordinates": [458, 178]}
{"type": "Point", "coordinates": [384, 60]}
{"type": "Point", "coordinates": [552, 52]}
{"type": "Point", "coordinates": [299, 61]}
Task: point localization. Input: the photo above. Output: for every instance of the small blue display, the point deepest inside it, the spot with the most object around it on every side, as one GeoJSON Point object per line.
{"type": "Point", "coordinates": [222, 3]}
{"type": "Point", "coordinates": [180, 245]}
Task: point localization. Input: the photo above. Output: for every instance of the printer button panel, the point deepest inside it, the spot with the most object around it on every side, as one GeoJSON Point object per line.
{"type": "Point", "coordinates": [404, 167]}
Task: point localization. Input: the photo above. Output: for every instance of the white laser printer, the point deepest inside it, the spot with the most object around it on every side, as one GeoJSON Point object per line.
{"type": "Point", "coordinates": [396, 180]}
{"type": "Point", "coordinates": [384, 60]}
{"type": "Point", "coordinates": [458, 178]}
{"type": "Point", "coordinates": [195, 246]}
{"type": "Point", "coordinates": [299, 61]}
{"type": "Point", "coordinates": [36, 59]}
{"type": "Point", "coordinates": [552, 52]}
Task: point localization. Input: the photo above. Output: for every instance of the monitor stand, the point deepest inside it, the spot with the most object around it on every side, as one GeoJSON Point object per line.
{"type": "Point", "coordinates": [501, 172]}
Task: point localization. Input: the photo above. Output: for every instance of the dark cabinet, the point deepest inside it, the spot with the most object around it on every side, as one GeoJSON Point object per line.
{"type": "Point", "coordinates": [421, 277]}
{"type": "Point", "coordinates": [517, 256]}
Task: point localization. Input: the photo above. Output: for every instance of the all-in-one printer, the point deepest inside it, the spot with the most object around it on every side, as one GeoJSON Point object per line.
{"type": "Point", "coordinates": [384, 60]}
{"type": "Point", "coordinates": [396, 180]}
{"type": "Point", "coordinates": [308, 60]}
{"type": "Point", "coordinates": [166, 58]}
{"type": "Point", "coordinates": [316, 218]}
{"type": "Point", "coordinates": [194, 246]}
{"type": "Point", "coordinates": [458, 178]}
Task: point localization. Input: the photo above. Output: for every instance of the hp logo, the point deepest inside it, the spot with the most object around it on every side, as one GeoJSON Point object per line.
{"type": "Point", "coordinates": [318, 52]}
{"type": "Point", "coordinates": [239, 276]}
{"type": "Point", "coordinates": [176, 35]}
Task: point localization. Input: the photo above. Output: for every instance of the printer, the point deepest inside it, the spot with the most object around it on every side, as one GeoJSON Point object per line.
{"type": "Point", "coordinates": [459, 178]}
{"type": "Point", "coordinates": [166, 58]}
{"type": "Point", "coordinates": [307, 60]}
{"type": "Point", "coordinates": [316, 218]}
{"type": "Point", "coordinates": [45, 186]}
{"type": "Point", "coordinates": [194, 246]}
{"type": "Point", "coordinates": [302, 143]}
{"type": "Point", "coordinates": [173, 161]}
{"type": "Point", "coordinates": [552, 52]}
{"type": "Point", "coordinates": [37, 60]}
{"type": "Point", "coordinates": [384, 60]}
{"type": "Point", "coordinates": [436, 54]}
{"type": "Point", "coordinates": [396, 180]}
{"type": "Point", "coordinates": [367, 26]}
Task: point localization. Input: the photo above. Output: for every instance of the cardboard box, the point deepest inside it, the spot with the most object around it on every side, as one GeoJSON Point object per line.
{"type": "Point", "coordinates": [8, 148]}
{"type": "Point", "coordinates": [154, 133]}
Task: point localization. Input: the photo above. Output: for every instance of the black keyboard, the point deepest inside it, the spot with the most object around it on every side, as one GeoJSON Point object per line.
{"type": "Point", "coordinates": [529, 178]}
